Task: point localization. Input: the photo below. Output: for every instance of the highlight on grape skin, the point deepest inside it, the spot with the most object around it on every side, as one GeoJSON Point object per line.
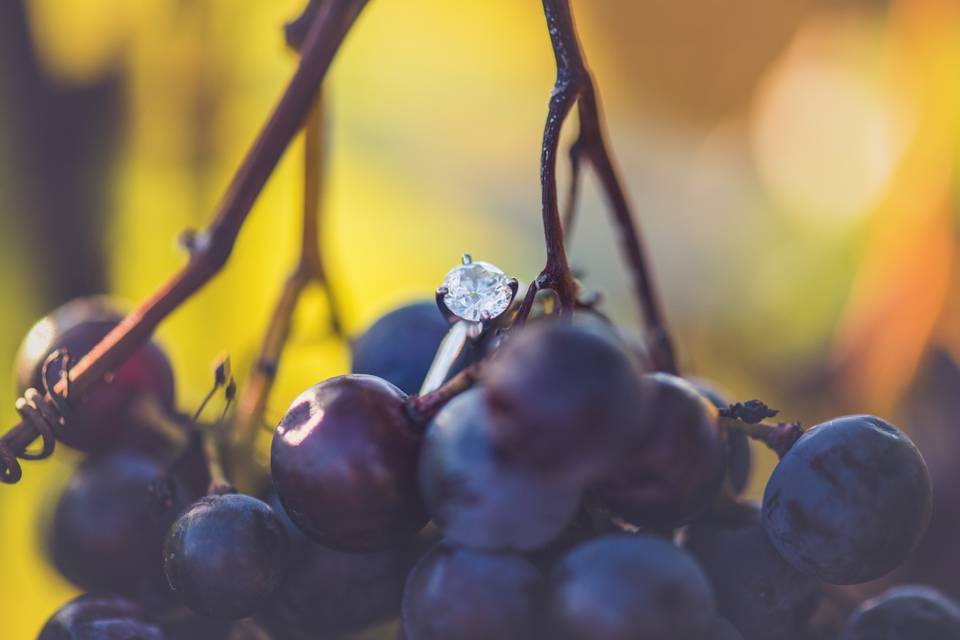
{"type": "Point", "coordinates": [381, 320]}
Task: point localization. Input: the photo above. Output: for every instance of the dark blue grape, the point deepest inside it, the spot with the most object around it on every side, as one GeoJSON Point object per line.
{"type": "Point", "coordinates": [758, 591]}
{"type": "Point", "coordinates": [399, 347]}
{"type": "Point", "coordinates": [563, 396]}
{"type": "Point", "coordinates": [182, 624]}
{"type": "Point", "coordinates": [100, 617]}
{"type": "Point", "coordinates": [109, 523]}
{"type": "Point", "coordinates": [636, 346]}
{"type": "Point", "coordinates": [226, 555]}
{"type": "Point", "coordinates": [622, 587]}
{"type": "Point", "coordinates": [848, 501]}
{"type": "Point", "coordinates": [721, 629]}
{"type": "Point", "coordinates": [329, 593]}
{"type": "Point", "coordinates": [581, 529]}
{"type": "Point", "coordinates": [478, 498]}
{"type": "Point", "coordinates": [677, 469]}
{"type": "Point", "coordinates": [739, 460]}
{"type": "Point", "coordinates": [932, 406]}
{"type": "Point", "coordinates": [911, 612]}
{"type": "Point", "coordinates": [344, 463]}
{"type": "Point", "coordinates": [461, 594]}
{"type": "Point", "coordinates": [98, 414]}
{"type": "Point", "coordinates": [739, 456]}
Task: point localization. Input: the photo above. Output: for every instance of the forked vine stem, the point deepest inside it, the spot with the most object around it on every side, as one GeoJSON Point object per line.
{"type": "Point", "coordinates": [574, 87]}
{"type": "Point", "coordinates": [212, 247]}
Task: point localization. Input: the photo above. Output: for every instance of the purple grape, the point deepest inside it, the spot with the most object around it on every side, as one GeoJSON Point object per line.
{"type": "Point", "coordinates": [186, 625]}
{"type": "Point", "coordinates": [226, 555]}
{"type": "Point", "coordinates": [100, 617]}
{"type": "Point", "coordinates": [911, 612]}
{"type": "Point", "coordinates": [344, 463]}
{"type": "Point", "coordinates": [622, 587]}
{"type": "Point", "coordinates": [478, 498]}
{"type": "Point", "coordinates": [677, 469]}
{"type": "Point", "coordinates": [721, 629]}
{"type": "Point", "coordinates": [563, 397]}
{"type": "Point", "coordinates": [329, 593]}
{"type": "Point", "coordinates": [758, 591]}
{"type": "Point", "coordinates": [461, 594]}
{"type": "Point", "coordinates": [109, 523]}
{"type": "Point", "coordinates": [579, 530]}
{"type": "Point", "coordinates": [849, 501]}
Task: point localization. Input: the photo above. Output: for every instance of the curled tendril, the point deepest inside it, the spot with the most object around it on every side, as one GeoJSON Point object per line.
{"type": "Point", "coordinates": [48, 413]}
{"type": "Point", "coordinates": [11, 467]}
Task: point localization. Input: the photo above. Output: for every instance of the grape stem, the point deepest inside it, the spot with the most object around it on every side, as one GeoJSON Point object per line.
{"type": "Point", "coordinates": [211, 248]}
{"type": "Point", "coordinates": [309, 269]}
{"type": "Point", "coordinates": [421, 409]}
{"type": "Point", "coordinates": [574, 86]}
{"type": "Point", "coordinates": [213, 456]}
{"type": "Point", "coordinates": [779, 436]}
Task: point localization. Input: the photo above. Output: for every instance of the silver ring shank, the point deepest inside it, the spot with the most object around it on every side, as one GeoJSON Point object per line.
{"type": "Point", "coordinates": [450, 348]}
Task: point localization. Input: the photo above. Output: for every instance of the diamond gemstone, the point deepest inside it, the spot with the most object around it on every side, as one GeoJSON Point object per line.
{"type": "Point", "coordinates": [477, 291]}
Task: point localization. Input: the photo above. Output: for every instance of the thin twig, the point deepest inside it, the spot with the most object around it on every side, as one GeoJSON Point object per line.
{"type": "Point", "coordinates": [309, 269]}
{"type": "Point", "coordinates": [575, 85]}
{"type": "Point", "coordinates": [213, 456]}
{"type": "Point", "coordinates": [212, 248]}
{"type": "Point", "coordinates": [211, 436]}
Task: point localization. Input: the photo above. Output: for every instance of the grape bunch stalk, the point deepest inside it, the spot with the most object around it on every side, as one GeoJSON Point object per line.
{"type": "Point", "coordinates": [560, 480]}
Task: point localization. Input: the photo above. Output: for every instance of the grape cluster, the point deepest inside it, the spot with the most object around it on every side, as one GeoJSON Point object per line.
{"type": "Point", "coordinates": [133, 525]}
{"type": "Point", "coordinates": [570, 493]}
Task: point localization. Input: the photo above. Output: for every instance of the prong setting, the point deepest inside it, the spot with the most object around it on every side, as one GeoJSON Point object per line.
{"type": "Point", "coordinates": [448, 315]}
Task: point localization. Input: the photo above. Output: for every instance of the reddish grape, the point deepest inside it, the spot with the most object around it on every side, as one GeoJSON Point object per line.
{"type": "Point", "coordinates": [344, 463]}
{"type": "Point", "coordinates": [99, 413]}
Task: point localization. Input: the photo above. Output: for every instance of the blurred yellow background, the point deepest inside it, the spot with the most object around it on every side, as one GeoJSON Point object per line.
{"type": "Point", "coordinates": [793, 164]}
